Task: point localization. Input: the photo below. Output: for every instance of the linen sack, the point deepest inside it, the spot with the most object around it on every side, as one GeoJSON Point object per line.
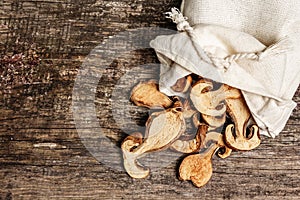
{"type": "Point", "coordinates": [222, 28]}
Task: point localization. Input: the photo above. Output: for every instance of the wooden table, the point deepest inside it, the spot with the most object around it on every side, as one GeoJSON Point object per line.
{"type": "Point", "coordinates": [42, 154]}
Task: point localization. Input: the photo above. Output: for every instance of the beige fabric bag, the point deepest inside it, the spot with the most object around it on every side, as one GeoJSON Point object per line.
{"type": "Point", "coordinates": [222, 28]}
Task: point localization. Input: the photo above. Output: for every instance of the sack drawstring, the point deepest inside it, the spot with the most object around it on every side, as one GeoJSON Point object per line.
{"type": "Point", "coordinates": [282, 46]}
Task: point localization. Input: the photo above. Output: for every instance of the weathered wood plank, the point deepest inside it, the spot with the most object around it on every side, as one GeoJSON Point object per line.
{"type": "Point", "coordinates": [41, 153]}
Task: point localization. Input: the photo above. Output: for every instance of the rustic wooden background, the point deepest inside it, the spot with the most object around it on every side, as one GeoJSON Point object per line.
{"type": "Point", "coordinates": [42, 156]}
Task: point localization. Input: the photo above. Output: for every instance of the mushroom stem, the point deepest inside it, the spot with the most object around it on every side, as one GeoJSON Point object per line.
{"type": "Point", "coordinates": [162, 129]}
{"type": "Point", "coordinates": [198, 167]}
{"type": "Point", "coordinates": [133, 168]}
{"type": "Point", "coordinates": [236, 134]}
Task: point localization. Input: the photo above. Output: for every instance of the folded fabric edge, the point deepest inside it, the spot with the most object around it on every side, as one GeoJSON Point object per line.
{"type": "Point", "coordinates": [266, 128]}
{"type": "Point", "coordinates": [279, 117]}
{"type": "Point", "coordinates": [207, 70]}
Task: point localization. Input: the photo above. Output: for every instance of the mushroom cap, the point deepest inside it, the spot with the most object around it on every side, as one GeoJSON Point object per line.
{"type": "Point", "coordinates": [207, 101]}
{"type": "Point", "coordinates": [146, 94]}
{"type": "Point", "coordinates": [196, 168]}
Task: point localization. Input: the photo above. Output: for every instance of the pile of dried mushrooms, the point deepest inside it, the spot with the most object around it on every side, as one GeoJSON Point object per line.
{"type": "Point", "coordinates": [208, 105]}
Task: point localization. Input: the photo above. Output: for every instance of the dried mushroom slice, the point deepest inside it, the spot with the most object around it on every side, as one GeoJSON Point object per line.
{"type": "Point", "coordinates": [231, 92]}
{"type": "Point", "coordinates": [194, 145]}
{"type": "Point", "coordinates": [207, 101]}
{"type": "Point", "coordinates": [182, 84]}
{"type": "Point", "coordinates": [134, 170]}
{"type": "Point", "coordinates": [218, 139]}
{"type": "Point", "coordinates": [162, 129]}
{"type": "Point", "coordinates": [146, 94]}
{"type": "Point", "coordinates": [188, 112]}
{"type": "Point", "coordinates": [198, 167]}
{"type": "Point", "coordinates": [236, 135]}
{"type": "Point", "coordinates": [214, 121]}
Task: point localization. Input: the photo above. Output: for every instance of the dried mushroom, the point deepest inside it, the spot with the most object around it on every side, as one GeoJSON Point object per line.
{"type": "Point", "coordinates": [131, 165]}
{"type": "Point", "coordinates": [207, 113]}
{"type": "Point", "coordinates": [188, 112]}
{"type": "Point", "coordinates": [147, 95]}
{"type": "Point", "coordinates": [162, 129]}
{"type": "Point", "coordinates": [206, 100]}
{"type": "Point", "coordinates": [198, 167]}
{"type": "Point", "coordinates": [214, 121]}
{"type": "Point", "coordinates": [183, 84]}
{"type": "Point", "coordinates": [194, 145]}
{"type": "Point", "coordinates": [236, 135]}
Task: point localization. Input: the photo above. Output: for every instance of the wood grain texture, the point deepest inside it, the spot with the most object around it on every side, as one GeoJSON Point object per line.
{"type": "Point", "coordinates": [42, 47]}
